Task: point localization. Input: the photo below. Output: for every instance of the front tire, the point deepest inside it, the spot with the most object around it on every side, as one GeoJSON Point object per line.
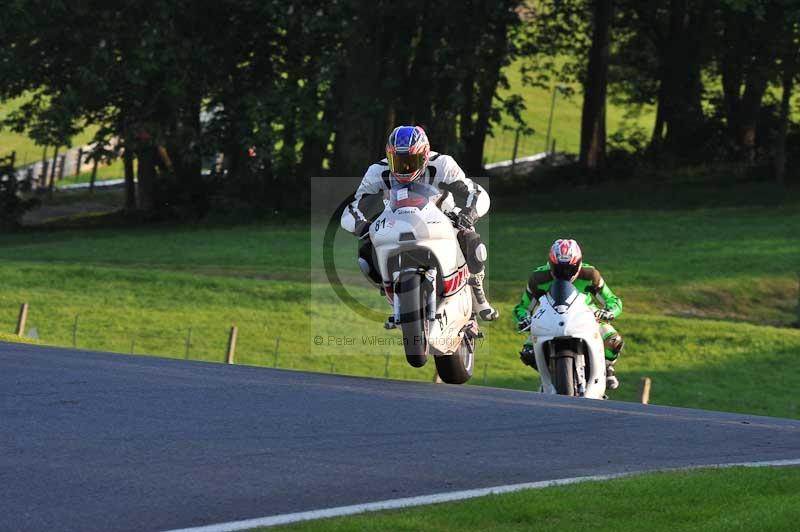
{"type": "Point", "coordinates": [412, 318]}
{"type": "Point", "coordinates": [458, 367]}
{"type": "Point", "coordinates": [565, 374]}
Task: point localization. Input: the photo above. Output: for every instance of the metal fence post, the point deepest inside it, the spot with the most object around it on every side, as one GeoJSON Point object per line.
{"type": "Point", "coordinates": [61, 165]}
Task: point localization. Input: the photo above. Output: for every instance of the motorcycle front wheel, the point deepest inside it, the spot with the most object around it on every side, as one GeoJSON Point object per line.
{"type": "Point", "coordinates": [565, 374]}
{"type": "Point", "coordinates": [412, 318]}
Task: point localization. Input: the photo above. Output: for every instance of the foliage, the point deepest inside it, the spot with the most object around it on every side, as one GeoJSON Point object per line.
{"type": "Point", "coordinates": [282, 90]}
{"type": "Point", "coordinates": [12, 205]}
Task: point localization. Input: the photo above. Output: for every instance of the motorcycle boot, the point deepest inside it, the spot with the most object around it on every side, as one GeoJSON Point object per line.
{"type": "Point", "coordinates": [482, 307]}
{"type": "Point", "coordinates": [613, 344]}
{"type": "Point", "coordinates": [612, 383]}
{"type": "Point", "coordinates": [528, 356]}
{"type": "Point", "coordinates": [366, 263]}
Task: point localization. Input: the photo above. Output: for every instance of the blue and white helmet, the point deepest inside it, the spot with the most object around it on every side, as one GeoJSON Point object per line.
{"type": "Point", "coordinates": [408, 152]}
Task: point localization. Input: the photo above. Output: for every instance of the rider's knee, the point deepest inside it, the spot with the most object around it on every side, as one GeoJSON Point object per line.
{"type": "Point", "coordinates": [612, 341]}
{"type": "Point", "coordinates": [474, 250]}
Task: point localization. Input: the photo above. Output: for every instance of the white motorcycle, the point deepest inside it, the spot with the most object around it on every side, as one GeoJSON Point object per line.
{"type": "Point", "coordinates": [569, 351]}
{"type": "Point", "coordinates": [425, 277]}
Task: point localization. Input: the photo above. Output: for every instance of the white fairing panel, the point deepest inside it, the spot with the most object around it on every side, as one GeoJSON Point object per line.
{"type": "Point", "coordinates": [427, 227]}
{"type": "Point", "coordinates": [577, 321]}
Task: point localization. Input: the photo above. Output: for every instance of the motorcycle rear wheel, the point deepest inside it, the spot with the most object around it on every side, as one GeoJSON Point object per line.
{"type": "Point", "coordinates": [457, 368]}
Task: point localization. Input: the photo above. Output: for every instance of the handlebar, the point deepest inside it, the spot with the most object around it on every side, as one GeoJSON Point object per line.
{"type": "Point", "coordinates": [457, 222]}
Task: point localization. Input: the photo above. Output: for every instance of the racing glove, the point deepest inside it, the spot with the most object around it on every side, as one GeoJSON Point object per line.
{"type": "Point", "coordinates": [603, 314]}
{"type": "Point", "coordinates": [524, 324]}
{"type": "Point", "coordinates": [467, 217]}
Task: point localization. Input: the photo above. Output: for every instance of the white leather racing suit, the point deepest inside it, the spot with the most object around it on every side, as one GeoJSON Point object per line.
{"type": "Point", "coordinates": [441, 169]}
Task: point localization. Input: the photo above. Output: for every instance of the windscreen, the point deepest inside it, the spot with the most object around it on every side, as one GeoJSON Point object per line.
{"type": "Point", "coordinates": [411, 195]}
{"type": "Point", "coordinates": [562, 295]}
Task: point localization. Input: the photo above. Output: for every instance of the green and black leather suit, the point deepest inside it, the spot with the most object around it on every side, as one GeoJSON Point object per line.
{"type": "Point", "coordinates": [598, 295]}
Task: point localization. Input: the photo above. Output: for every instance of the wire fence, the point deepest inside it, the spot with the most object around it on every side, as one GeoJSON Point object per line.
{"type": "Point", "coordinates": [221, 345]}
{"type": "Point", "coordinates": [55, 166]}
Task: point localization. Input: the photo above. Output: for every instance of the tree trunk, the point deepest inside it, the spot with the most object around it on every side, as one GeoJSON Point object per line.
{"type": "Point", "coordinates": [783, 127]}
{"type": "Point", "coordinates": [750, 106]}
{"type": "Point", "coordinates": [683, 112]}
{"type": "Point", "coordinates": [593, 117]}
{"type": "Point", "coordinates": [53, 171]}
{"type": "Point", "coordinates": [731, 68]}
{"type": "Point", "coordinates": [146, 191]}
{"type": "Point", "coordinates": [465, 122]}
{"type": "Point", "coordinates": [473, 162]}
{"type": "Point", "coordinates": [657, 139]}
{"type": "Point", "coordinates": [130, 185]}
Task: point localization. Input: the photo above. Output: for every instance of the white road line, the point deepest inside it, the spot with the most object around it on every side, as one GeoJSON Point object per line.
{"type": "Point", "coordinates": [409, 502]}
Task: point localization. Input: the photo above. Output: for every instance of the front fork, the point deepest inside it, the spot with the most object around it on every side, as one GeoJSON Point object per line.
{"type": "Point", "coordinates": [430, 310]}
{"type": "Point", "coordinates": [580, 367]}
{"type": "Point", "coordinates": [430, 304]}
{"type": "Point", "coordinates": [580, 371]}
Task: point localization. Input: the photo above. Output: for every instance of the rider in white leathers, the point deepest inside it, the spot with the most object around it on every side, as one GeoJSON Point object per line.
{"type": "Point", "coordinates": [409, 159]}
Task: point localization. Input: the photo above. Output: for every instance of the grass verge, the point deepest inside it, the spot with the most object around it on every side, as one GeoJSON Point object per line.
{"type": "Point", "coordinates": [13, 338]}
{"type": "Point", "coordinates": [703, 317]}
{"type": "Point", "coordinates": [706, 500]}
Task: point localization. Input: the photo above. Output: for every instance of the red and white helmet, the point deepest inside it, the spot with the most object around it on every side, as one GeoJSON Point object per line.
{"type": "Point", "coordinates": [407, 151]}
{"type": "Point", "coordinates": [565, 259]}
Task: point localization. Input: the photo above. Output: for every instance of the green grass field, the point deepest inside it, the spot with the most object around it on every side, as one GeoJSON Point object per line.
{"type": "Point", "coordinates": [707, 500]}
{"type": "Point", "coordinates": [704, 317]}
{"type": "Point", "coordinates": [105, 172]}
{"type": "Point", "coordinates": [566, 126]}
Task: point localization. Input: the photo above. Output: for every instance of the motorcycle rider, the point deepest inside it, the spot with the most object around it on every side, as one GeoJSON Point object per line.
{"type": "Point", "coordinates": [410, 159]}
{"type": "Point", "coordinates": [565, 262]}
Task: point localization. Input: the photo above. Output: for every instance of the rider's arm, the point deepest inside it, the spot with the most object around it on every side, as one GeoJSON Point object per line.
{"type": "Point", "coordinates": [612, 302]}
{"type": "Point", "coordinates": [370, 191]}
{"type": "Point", "coordinates": [466, 193]}
{"type": "Point", "coordinates": [521, 310]}
{"type": "Point", "coordinates": [532, 293]}
{"type": "Point", "coordinates": [601, 291]}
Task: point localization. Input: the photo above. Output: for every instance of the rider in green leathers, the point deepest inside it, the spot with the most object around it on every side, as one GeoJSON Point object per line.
{"type": "Point", "coordinates": [566, 262]}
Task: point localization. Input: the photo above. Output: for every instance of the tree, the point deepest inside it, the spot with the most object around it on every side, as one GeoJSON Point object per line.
{"type": "Point", "coordinates": [789, 69]}
{"type": "Point", "coordinates": [593, 116]}
{"type": "Point", "coordinates": [12, 206]}
{"type": "Point", "coordinates": [283, 90]}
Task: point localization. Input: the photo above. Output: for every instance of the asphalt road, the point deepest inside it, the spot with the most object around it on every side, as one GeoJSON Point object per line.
{"type": "Point", "coordinates": [99, 442]}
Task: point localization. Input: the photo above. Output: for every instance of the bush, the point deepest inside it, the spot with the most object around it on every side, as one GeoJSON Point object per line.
{"type": "Point", "coordinates": [12, 205]}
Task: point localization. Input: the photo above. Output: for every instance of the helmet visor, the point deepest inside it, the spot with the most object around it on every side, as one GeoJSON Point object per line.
{"type": "Point", "coordinates": [406, 164]}
{"type": "Point", "coordinates": [564, 271]}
